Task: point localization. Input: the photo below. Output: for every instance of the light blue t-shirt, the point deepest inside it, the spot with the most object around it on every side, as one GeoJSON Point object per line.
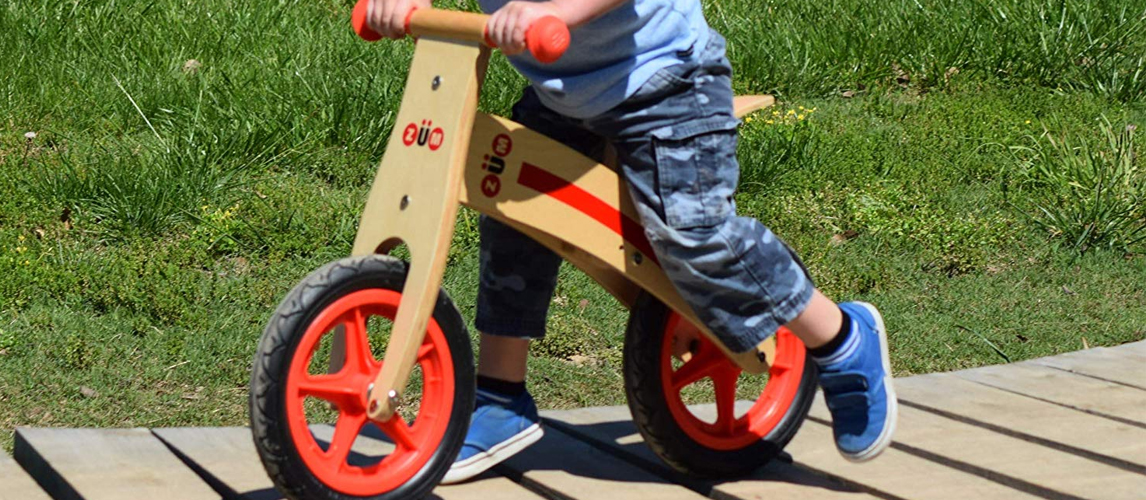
{"type": "Point", "coordinates": [610, 57]}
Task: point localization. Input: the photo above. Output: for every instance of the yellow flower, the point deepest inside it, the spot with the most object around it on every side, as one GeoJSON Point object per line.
{"type": "Point", "coordinates": [1028, 122]}
{"type": "Point", "coordinates": [21, 237]}
{"type": "Point", "coordinates": [802, 108]}
{"type": "Point", "coordinates": [748, 120]}
{"type": "Point", "coordinates": [769, 122]}
{"type": "Point", "coordinates": [791, 112]}
{"type": "Point", "coordinates": [775, 113]}
{"type": "Point", "coordinates": [26, 263]}
{"type": "Point", "coordinates": [800, 116]}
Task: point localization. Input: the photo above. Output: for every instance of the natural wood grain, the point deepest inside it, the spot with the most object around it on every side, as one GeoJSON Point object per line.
{"type": "Point", "coordinates": [896, 472]}
{"type": "Point", "coordinates": [745, 104]}
{"type": "Point", "coordinates": [414, 195]}
{"type": "Point", "coordinates": [576, 470]}
{"type": "Point", "coordinates": [1117, 365]}
{"type": "Point", "coordinates": [228, 455]}
{"type": "Point", "coordinates": [612, 427]}
{"type": "Point", "coordinates": [999, 458]}
{"type": "Point", "coordinates": [1047, 424]}
{"type": "Point", "coordinates": [15, 484]}
{"type": "Point", "coordinates": [1041, 382]}
{"type": "Point", "coordinates": [111, 464]}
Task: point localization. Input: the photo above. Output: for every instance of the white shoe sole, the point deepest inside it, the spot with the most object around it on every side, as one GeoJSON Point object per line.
{"type": "Point", "coordinates": [481, 462]}
{"type": "Point", "coordinates": [881, 443]}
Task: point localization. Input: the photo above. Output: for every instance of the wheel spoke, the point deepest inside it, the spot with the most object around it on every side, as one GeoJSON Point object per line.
{"type": "Point", "coordinates": [724, 384]}
{"type": "Point", "coordinates": [358, 355]}
{"type": "Point", "coordinates": [425, 351]}
{"type": "Point", "coordinates": [345, 432]}
{"type": "Point", "coordinates": [399, 431]}
{"type": "Point", "coordinates": [336, 389]}
{"type": "Point", "coordinates": [702, 364]}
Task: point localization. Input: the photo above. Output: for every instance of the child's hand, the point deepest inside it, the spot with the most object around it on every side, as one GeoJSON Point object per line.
{"type": "Point", "coordinates": [388, 17]}
{"type": "Point", "coordinates": [507, 26]}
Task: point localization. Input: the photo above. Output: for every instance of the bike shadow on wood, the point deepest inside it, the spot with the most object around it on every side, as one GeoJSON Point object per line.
{"type": "Point", "coordinates": [620, 440]}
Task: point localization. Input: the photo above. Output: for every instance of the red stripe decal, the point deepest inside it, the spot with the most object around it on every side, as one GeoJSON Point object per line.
{"type": "Point", "coordinates": [540, 180]}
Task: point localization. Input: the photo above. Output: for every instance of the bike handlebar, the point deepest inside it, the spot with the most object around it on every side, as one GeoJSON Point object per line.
{"type": "Point", "coordinates": [546, 39]}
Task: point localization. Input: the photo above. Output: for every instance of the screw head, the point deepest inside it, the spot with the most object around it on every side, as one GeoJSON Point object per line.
{"type": "Point", "coordinates": [638, 258]}
{"type": "Point", "coordinates": [436, 82]}
{"type": "Point", "coordinates": [405, 202]}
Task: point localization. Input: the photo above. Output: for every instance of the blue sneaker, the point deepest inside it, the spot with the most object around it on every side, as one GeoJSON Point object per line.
{"type": "Point", "coordinates": [499, 429]}
{"type": "Point", "coordinates": [857, 386]}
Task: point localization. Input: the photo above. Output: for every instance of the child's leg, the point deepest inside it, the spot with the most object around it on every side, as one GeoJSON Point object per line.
{"type": "Point", "coordinates": [518, 276]}
{"type": "Point", "coordinates": [677, 146]}
{"type": "Point", "coordinates": [819, 323]}
{"type": "Point", "coordinates": [503, 358]}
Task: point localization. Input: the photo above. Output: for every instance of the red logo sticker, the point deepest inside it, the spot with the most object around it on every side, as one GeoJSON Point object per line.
{"type": "Point", "coordinates": [502, 145]}
{"type": "Point", "coordinates": [436, 138]}
{"type": "Point", "coordinates": [410, 134]}
{"type": "Point", "coordinates": [491, 185]}
{"type": "Point", "coordinates": [424, 135]}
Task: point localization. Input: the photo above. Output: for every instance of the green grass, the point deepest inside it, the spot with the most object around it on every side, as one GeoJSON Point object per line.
{"type": "Point", "coordinates": [164, 207]}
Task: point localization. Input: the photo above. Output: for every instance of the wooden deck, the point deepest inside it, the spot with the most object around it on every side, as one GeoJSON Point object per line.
{"type": "Point", "coordinates": [1066, 427]}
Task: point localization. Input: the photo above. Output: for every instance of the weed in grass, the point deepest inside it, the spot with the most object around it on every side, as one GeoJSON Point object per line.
{"type": "Point", "coordinates": [1088, 193]}
{"type": "Point", "coordinates": [782, 141]}
{"type": "Point", "coordinates": [953, 242]}
{"type": "Point", "coordinates": [122, 189]}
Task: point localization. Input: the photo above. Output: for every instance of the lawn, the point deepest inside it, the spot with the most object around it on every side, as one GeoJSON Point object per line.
{"type": "Point", "coordinates": [170, 169]}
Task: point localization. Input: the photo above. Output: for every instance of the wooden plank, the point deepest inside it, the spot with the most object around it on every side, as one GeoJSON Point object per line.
{"type": "Point", "coordinates": [1116, 401]}
{"type": "Point", "coordinates": [896, 472]}
{"type": "Point", "coordinates": [97, 464]}
{"type": "Point", "coordinates": [228, 455]}
{"type": "Point", "coordinates": [1043, 423]}
{"type": "Point", "coordinates": [225, 457]}
{"type": "Point", "coordinates": [1138, 348]}
{"type": "Point", "coordinates": [569, 468]}
{"type": "Point", "coordinates": [998, 458]}
{"type": "Point", "coordinates": [1116, 365]}
{"type": "Point", "coordinates": [15, 484]}
{"type": "Point", "coordinates": [612, 427]}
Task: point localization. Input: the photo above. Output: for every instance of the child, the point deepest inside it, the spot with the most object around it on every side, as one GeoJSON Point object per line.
{"type": "Point", "coordinates": [650, 78]}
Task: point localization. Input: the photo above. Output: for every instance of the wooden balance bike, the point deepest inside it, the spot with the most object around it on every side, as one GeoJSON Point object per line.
{"type": "Point", "coordinates": [400, 394]}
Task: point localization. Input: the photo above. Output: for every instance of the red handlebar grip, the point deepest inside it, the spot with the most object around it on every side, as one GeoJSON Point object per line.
{"type": "Point", "coordinates": [547, 39]}
{"type": "Point", "coordinates": [358, 22]}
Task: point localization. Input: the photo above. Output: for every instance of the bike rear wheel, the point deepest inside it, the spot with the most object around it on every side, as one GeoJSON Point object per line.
{"type": "Point", "coordinates": [670, 369]}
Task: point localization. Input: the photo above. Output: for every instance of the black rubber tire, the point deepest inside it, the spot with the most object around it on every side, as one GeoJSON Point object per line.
{"type": "Point", "coordinates": [278, 344]}
{"type": "Point", "coordinates": [655, 421]}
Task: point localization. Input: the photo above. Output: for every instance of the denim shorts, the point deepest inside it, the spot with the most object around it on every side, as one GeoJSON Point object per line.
{"type": "Point", "coordinates": [676, 144]}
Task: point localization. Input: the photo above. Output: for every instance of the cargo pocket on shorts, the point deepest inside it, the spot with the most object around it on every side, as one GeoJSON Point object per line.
{"type": "Point", "coordinates": [696, 177]}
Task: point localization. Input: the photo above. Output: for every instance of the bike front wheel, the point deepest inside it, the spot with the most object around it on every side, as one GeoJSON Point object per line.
{"type": "Point", "coordinates": [310, 425]}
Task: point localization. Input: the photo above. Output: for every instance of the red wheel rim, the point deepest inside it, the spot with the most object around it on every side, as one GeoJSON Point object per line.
{"type": "Point", "coordinates": [414, 444]}
{"type": "Point", "coordinates": [729, 431]}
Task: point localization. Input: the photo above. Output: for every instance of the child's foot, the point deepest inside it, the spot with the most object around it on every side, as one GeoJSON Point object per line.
{"type": "Point", "coordinates": [500, 427]}
{"type": "Point", "coordinates": [857, 386]}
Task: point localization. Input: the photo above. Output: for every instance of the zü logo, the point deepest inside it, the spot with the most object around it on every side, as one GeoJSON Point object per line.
{"type": "Point", "coordinates": [424, 135]}
{"type": "Point", "coordinates": [495, 165]}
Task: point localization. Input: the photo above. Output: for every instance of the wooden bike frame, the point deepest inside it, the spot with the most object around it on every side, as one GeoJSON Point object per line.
{"type": "Point", "coordinates": [443, 153]}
